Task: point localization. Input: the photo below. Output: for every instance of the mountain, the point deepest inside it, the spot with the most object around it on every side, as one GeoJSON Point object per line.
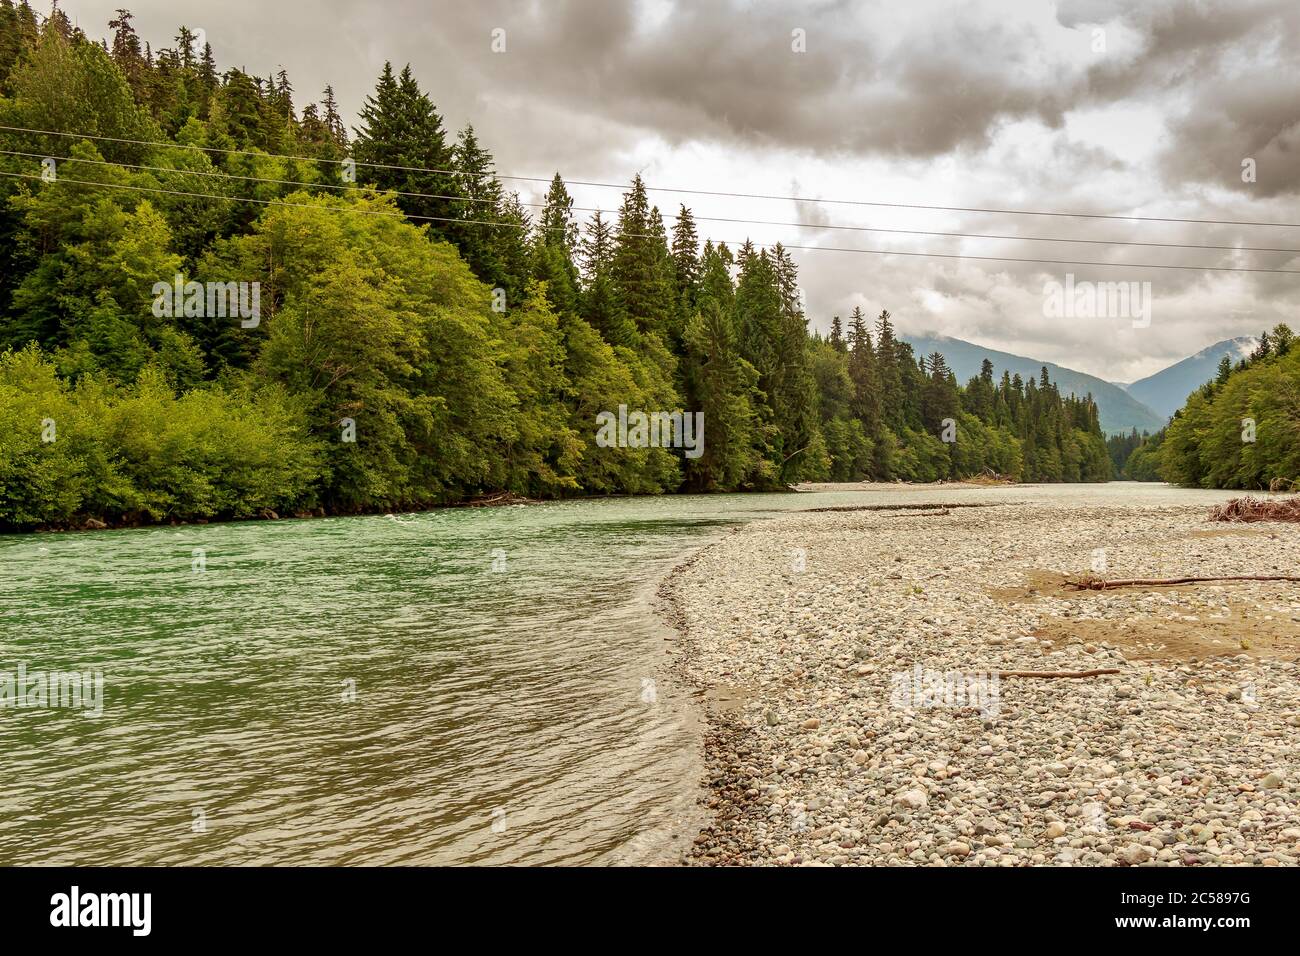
{"type": "Point", "coordinates": [1120, 411]}
{"type": "Point", "coordinates": [1167, 390]}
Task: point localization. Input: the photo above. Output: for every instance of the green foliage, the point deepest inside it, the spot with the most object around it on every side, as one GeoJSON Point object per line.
{"type": "Point", "coordinates": [401, 133]}
{"type": "Point", "coordinates": [63, 83]}
{"type": "Point", "coordinates": [725, 388]}
{"type": "Point", "coordinates": [1144, 462]}
{"type": "Point", "coordinates": [1121, 449]}
{"type": "Point", "coordinates": [142, 453]}
{"type": "Point", "coordinates": [1241, 430]}
{"type": "Point", "coordinates": [420, 339]}
{"type": "Point", "coordinates": [600, 379]}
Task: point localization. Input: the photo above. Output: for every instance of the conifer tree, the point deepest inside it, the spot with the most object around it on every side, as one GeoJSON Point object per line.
{"type": "Point", "coordinates": [364, 318]}
{"type": "Point", "coordinates": [601, 305]}
{"type": "Point", "coordinates": [888, 374]}
{"type": "Point", "coordinates": [126, 50]}
{"type": "Point", "coordinates": [556, 226]}
{"type": "Point", "coordinates": [208, 80]}
{"type": "Point", "coordinates": [555, 247]}
{"type": "Point", "coordinates": [721, 386]}
{"type": "Point", "coordinates": [686, 260]}
{"type": "Point", "coordinates": [400, 145]}
{"type": "Point", "coordinates": [640, 263]}
{"type": "Point", "coordinates": [862, 372]}
{"type": "Point", "coordinates": [333, 120]}
{"type": "Point", "coordinates": [478, 208]}
{"type": "Point", "coordinates": [794, 396]}
{"type": "Point", "coordinates": [837, 335]}
{"type": "Point", "coordinates": [939, 398]}
{"type": "Point", "coordinates": [509, 248]}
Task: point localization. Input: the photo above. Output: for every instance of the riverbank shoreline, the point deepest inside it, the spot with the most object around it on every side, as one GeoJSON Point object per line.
{"type": "Point", "coordinates": [809, 625]}
{"type": "Point", "coordinates": [501, 500]}
{"type": "Point", "coordinates": [491, 500]}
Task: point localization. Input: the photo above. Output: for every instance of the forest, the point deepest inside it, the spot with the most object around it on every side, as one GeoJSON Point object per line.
{"type": "Point", "coordinates": [1239, 430]}
{"type": "Point", "coordinates": [423, 336]}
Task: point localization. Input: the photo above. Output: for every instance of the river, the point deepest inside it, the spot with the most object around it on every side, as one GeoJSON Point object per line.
{"type": "Point", "coordinates": [464, 686]}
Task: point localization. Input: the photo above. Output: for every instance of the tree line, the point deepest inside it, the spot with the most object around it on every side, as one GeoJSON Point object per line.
{"type": "Point", "coordinates": [1239, 430]}
{"type": "Point", "coordinates": [423, 335]}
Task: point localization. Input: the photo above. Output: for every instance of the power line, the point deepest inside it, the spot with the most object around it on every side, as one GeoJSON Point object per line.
{"type": "Point", "coordinates": [511, 225]}
{"type": "Point", "coordinates": [220, 174]}
{"type": "Point", "coordinates": [269, 202]}
{"type": "Point", "coordinates": [670, 189]}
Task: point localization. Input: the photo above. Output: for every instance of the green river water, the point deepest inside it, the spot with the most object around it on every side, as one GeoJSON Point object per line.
{"type": "Point", "coordinates": [460, 686]}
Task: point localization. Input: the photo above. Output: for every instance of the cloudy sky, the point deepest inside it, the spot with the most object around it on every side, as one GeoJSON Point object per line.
{"type": "Point", "coordinates": [1130, 109]}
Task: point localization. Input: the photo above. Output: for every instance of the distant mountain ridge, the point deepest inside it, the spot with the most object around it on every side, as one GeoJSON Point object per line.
{"type": "Point", "coordinates": [1119, 410]}
{"type": "Point", "coordinates": [1166, 391]}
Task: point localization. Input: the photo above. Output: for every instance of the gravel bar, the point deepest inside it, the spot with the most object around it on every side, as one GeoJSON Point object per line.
{"type": "Point", "coordinates": [849, 662]}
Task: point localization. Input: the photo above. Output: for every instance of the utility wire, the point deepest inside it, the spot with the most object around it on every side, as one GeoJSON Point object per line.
{"type": "Point", "coordinates": [667, 189]}
{"type": "Point", "coordinates": [511, 225]}
{"type": "Point", "coordinates": [219, 174]}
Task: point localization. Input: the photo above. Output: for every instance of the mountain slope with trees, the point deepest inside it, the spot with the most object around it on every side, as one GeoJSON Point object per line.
{"type": "Point", "coordinates": [1166, 391]}
{"type": "Point", "coordinates": [1242, 429]}
{"type": "Point", "coordinates": [1119, 411]}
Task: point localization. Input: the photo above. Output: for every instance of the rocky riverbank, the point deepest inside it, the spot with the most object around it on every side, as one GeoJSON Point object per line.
{"type": "Point", "coordinates": [860, 715]}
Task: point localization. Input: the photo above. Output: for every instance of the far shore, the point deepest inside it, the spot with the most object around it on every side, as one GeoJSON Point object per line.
{"type": "Point", "coordinates": [498, 500]}
{"type": "Point", "coordinates": [862, 672]}
{"type": "Point", "coordinates": [491, 500]}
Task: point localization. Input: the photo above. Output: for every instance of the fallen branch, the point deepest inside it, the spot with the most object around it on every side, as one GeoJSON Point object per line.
{"type": "Point", "coordinates": [1102, 584]}
{"type": "Point", "coordinates": [911, 506]}
{"type": "Point", "coordinates": [499, 498]}
{"type": "Point", "coordinates": [1096, 673]}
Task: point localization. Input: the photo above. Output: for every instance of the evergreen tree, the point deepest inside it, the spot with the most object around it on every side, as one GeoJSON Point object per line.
{"type": "Point", "coordinates": [600, 304]}
{"type": "Point", "coordinates": [794, 395]}
{"type": "Point", "coordinates": [400, 145]}
{"type": "Point", "coordinates": [723, 389]}
{"type": "Point", "coordinates": [333, 119]}
{"type": "Point", "coordinates": [686, 260]}
{"type": "Point", "coordinates": [837, 335]}
{"type": "Point", "coordinates": [889, 374]}
{"type": "Point", "coordinates": [509, 248]}
{"type": "Point", "coordinates": [939, 399]}
{"type": "Point", "coordinates": [556, 246]}
{"type": "Point", "coordinates": [478, 209]}
{"type": "Point", "coordinates": [127, 52]}
{"type": "Point", "coordinates": [640, 263]}
{"type": "Point", "coordinates": [364, 320]}
{"type": "Point", "coordinates": [208, 80]}
{"type": "Point", "coordinates": [863, 373]}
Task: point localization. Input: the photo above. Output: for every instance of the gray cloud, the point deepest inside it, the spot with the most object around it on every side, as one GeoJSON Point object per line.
{"type": "Point", "coordinates": [1234, 69]}
{"type": "Point", "coordinates": [727, 71]}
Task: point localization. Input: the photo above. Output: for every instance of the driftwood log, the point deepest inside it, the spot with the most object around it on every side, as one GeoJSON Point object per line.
{"type": "Point", "coordinates": [1102, 584]}
{"type": "Point", "coordinates": [1094, 673]}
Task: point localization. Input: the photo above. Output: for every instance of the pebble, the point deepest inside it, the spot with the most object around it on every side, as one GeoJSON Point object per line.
{"type": "Point", "coordinates": [1168, 763]}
